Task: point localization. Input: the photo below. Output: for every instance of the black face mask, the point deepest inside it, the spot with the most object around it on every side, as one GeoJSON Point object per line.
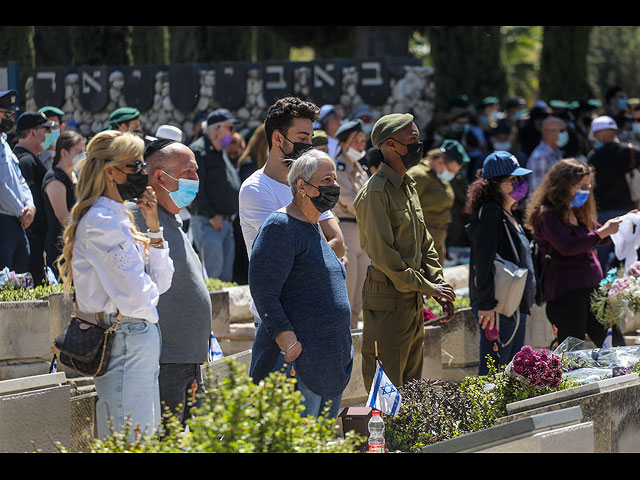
{"type": "Point", "coordinates": [328, 198]}
{"type": "Point", "coordinates": [298, 149]}
{"type": "Point", "coordinates": [134, 186]}
{"type": "Point", "coordinates": [413, 156]}
{"type": "Point", "coordinates": [6, 124]}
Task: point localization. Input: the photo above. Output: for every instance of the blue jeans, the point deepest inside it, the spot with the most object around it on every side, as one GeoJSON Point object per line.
{"type": "Point", "coordinates": [129, 388]}
{"type": "Point", "coordinates": [504, 354]}
{"type": "Point", "coordinates": [313, 403]}
{"type": "Point", "coordinates": [217, 247]}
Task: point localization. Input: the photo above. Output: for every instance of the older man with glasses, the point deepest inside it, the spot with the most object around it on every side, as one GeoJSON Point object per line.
{"type": "Point", "coordinates": [16, 202]}
{"type": "Point", "coordinates": [32, 129]}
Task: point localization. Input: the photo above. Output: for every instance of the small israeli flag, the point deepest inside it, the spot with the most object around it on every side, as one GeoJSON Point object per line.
{"type": "Point", "coordinates": [608, 340]}
{"type": "Point", "coordinates": [51, 278]}
{"type": "Point", "coordinates": [53, 368]}
{"type": "Point", "coordinates": [384, 396]}
{"type": "Point", "coordinates": [214, 348]}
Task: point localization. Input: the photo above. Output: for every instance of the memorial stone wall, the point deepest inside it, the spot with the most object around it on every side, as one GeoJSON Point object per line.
{"type": "Point", "coordinates": [174, 94]}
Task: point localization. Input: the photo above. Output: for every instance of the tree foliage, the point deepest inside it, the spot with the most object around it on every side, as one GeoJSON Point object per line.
{"type": "Point", "coordinates": [467, 61]}
{"type": "Point", "coordinates": [563, 64]}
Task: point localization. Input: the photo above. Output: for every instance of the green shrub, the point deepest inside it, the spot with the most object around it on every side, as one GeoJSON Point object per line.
{"type": "Point", "coordinates": [214, 284]}
{"type": "Point", "coordinates": [25, 294]}
{"type": "Point", "coordinates": [433, 411]}
{"type": "Point", "coordinates": [240, 417]}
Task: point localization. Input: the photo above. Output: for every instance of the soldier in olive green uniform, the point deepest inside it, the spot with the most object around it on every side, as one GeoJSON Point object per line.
{"type": "Point", "coordinates": [432, 176]}
{"type": "Point", "coordinates": [404, 262]}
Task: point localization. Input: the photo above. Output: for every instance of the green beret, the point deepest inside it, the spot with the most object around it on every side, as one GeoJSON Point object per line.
{"type": "Point", "coordinates": [320, 137]}
{"type": "Point", "coordinates": [50, 111]}
{"type": "Point", "coordinates": [559, 104]}
{"type": "Point", "coordinates": [387, 125]}
{"type": "Point", "coordinates": [123, 114]}
{"type": "Point", "coordinates": [490, 101]}
{"type": "Point", "coordinates": [455, 150]}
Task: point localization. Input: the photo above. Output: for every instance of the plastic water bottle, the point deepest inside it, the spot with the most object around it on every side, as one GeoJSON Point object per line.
{"type": "Point", "coordinates": [376, 433]}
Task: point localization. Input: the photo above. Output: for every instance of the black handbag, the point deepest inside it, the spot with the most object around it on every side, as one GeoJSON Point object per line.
{"type": "Point", "coordinates": [86, 346]}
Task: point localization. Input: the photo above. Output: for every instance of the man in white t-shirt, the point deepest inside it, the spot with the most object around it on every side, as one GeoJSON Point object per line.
{"type": "Point", "coordinates": [289, 128]}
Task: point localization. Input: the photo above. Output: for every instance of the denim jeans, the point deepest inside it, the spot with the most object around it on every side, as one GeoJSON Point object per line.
{"type": "Point", "coordinates": [312, 402]}
{"type": "Point", "coordinates": [176, 381]}
{"type": "Point", "coordinates": [504, 354]}
{"type": "Point", "coordinates": [217, 247]}
{"type": "Point", "coordinates": [129, 388]}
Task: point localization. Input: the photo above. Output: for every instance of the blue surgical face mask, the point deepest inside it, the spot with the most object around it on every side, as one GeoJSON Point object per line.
{"type": "Point", "coordinates": [563, 138]}
{"type": "Point", "coordinates": [50, 139]}
{"type": "Point", "coordinates": [580, 198]}
{"type": "Point", "coordinates": [186, 192]}
{"type": "Point", "coordinates": [597, 144]}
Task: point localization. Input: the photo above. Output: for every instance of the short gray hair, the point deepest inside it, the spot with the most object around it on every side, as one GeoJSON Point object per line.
{"type": "Point", "coordinates": [305, 167]}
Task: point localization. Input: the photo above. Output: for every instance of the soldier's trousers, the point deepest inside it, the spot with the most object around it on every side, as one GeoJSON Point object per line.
{"type": "Point", "coordinates": [395, 321]}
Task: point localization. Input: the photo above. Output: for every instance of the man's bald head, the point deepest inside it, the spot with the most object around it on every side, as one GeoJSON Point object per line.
{"type": "Point", "coordinates": [167, 157]}
{"type": "Point", "coordinates": [166, 166]}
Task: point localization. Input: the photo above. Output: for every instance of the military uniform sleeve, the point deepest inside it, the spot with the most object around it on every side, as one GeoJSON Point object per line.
{"type": "Point", "coordinates": [377, 240]}
{"type": "Point", "coordinates": [430, 260]}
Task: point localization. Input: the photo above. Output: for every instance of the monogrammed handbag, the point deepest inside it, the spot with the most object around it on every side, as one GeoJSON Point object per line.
{"type": "Point", "coordinates": [86, 346]}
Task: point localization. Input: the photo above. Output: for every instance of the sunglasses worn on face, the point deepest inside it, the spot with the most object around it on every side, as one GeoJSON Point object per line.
{"type": "Point", "coordinates": [137, 166]}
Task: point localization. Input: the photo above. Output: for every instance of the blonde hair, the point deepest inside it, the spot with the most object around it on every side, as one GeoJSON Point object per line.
{"type": "Point", "coordinates": [109, 147]}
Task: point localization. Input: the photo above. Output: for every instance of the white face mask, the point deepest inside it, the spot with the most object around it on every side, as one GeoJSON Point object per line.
{"type": "Point", "coordinates": [354, 154]}
{"type": "Point", "coordinates": [446, 175]}
{"type": "Point", "coordinates": [502, 146]}
{"type": "Point", "coordinates": [76, 160]}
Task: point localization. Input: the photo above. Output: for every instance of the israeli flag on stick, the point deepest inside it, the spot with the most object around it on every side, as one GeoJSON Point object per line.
{"type": "Point", "coordinates": [214, 348]}
{"type": "Point", "coordinates": [384, 396]}
{"type": "Point", "coordinates": [608, 340]}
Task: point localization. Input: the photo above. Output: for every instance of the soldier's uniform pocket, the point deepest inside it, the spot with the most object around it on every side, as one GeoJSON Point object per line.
{"type": "Point", "coordinates": [378, 293]}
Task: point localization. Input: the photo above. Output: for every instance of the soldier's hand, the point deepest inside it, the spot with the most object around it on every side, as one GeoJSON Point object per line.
{"type": "Point", "coordinates": [447, 308]}
{"type": "Point", "coordinates": [444, 291]}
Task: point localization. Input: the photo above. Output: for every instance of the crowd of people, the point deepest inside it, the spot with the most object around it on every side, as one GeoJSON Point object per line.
{"type": "Point", "coordinates": [334, 221]}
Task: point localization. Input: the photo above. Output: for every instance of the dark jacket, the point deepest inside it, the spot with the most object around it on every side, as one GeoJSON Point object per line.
{"type": "Point", "coordinates": [33, 170]}
{"type": "Point", "coordinates": [488, 237]}
{"type": "Point", "coordinates": [573, 264]}
{"type": "Point", "coordinates": [611, 162]}
{"type": "Point", "coordinates": [219, 182]}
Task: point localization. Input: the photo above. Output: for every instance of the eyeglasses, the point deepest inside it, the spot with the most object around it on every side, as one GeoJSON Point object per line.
{"type": "Point", "coordinates": [8, 113]}
{"type": "Point", "coordinates": [137, 166]}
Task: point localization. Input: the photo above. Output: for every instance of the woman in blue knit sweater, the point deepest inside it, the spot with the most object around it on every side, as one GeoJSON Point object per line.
{"type": "Point", "coordinates": [299, 288]}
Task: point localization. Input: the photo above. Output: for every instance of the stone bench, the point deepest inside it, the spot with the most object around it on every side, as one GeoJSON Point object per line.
{"type": "Point", "coordinates": [35, 412]}
{"type": "Point", "coordinates": [562, 431]}
{"type": "Point", "coordinates": [612, 405]}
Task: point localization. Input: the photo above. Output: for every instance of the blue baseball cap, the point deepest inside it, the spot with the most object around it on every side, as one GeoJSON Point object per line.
{"type": "Point", "coordinates": [220, 115]}
{"type": "Point", "coordinates": [502, 164]}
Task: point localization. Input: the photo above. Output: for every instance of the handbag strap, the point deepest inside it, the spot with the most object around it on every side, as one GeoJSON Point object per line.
{"type": "Point", "coordinates": [513, 246]}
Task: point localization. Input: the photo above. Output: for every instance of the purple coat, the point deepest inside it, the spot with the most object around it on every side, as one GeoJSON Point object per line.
{"type": "Point", "coordinates": [574, 263]}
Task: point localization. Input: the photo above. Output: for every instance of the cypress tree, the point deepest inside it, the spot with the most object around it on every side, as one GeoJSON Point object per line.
{"type": "Point", "coordinates": [16, 45]}
{"type": "Point", "coordinates": [109, 45]}
{"type": "Point", "coordinates": [563, 63]}
{"type": "Point", "coordinates": [150, 45]}
{"type": "Point", "coordinates": [466, 60]}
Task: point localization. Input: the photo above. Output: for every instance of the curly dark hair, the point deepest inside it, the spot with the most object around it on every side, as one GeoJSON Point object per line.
{"type": "Point", "coordinates": [482, 191]}
{"type": "Point", "coordinates": [280, 115]}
